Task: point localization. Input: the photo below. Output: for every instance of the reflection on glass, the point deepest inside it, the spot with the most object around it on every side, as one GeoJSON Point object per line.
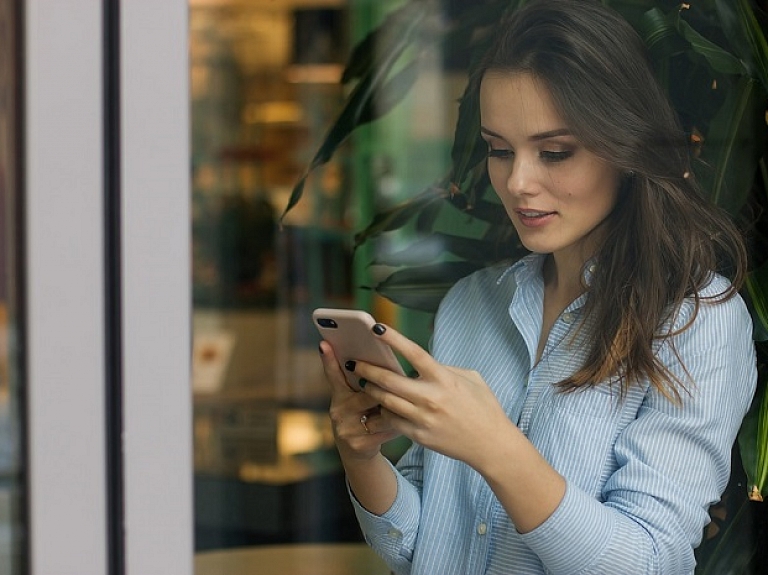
{"type": "Point", "coordinates": [264, 88]}
{"type": "Point", "coordinates": [266, 470]}
{"type": "Point", "coordinates": [12, 529]}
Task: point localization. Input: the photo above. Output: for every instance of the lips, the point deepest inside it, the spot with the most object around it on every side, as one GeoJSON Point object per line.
{"type": "Point", "coordinates": [534, 218]}
{"type": "Point", "coordinates": [533, 213]}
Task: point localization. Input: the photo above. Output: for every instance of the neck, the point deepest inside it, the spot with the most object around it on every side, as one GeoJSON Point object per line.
{"type": "Point", "coordinates": [563, 277]}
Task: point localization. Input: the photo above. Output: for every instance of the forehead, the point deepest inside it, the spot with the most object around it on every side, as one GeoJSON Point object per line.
{"type": "Point", "coordinates": [517, 101]}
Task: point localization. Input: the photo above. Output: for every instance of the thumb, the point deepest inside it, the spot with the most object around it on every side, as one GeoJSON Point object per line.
{"type": "Point", "coordinates": [336, 376]}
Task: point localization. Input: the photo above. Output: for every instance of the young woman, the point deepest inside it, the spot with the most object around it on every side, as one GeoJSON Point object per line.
{"type": "Point", "coordinates": [578, 409]}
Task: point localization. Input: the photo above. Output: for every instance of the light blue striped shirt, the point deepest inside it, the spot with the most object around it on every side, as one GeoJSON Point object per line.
{"type": "Point", "coordinates": [641, 473]}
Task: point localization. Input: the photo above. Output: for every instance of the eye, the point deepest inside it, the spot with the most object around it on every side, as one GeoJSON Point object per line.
{"type": "Point", "coordinates": [500, 153]}
{"type": "Point", "coordinates": [554, 157]}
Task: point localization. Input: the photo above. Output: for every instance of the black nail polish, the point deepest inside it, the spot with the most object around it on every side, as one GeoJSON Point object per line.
{"type": "Point", "coordinates": [350, 365]}
{"type": "Point", "coordinates": [362, 382]}
{"type": "Point", "coordinates": [379, 329]}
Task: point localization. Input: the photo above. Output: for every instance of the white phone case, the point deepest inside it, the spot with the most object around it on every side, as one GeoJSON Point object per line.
{"type": "Point", "coordinates": [349, 333]}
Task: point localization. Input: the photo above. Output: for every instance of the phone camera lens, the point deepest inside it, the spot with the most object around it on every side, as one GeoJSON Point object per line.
{"type": "Point", "coordinates": [327, 322]}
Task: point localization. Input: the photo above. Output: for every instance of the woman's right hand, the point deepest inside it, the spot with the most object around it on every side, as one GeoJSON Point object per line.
{"type": "Point", "coordinates": [370, 476]}
{"type": "Point", "coordinates": [356, 442]}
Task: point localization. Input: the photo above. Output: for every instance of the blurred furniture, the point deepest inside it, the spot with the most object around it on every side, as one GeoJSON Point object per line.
{"type": "Point", "coordinates": [332, 559]}
{"type": "Point", "coordinates": [266, 474]}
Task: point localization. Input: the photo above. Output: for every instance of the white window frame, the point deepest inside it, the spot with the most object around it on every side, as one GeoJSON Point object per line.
{"type": "Point", "coordinates": [65, 298]}
{"type": "Point", "coordinates": [156, 286]}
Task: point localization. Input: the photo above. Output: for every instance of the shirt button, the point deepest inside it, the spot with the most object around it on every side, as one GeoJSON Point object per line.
{"type": "Point", "coordinates": [568, 317]}
{"type": "Point", "coordinates": [482, 529]}
{"type": "Point", "coordinates": [394, 533]}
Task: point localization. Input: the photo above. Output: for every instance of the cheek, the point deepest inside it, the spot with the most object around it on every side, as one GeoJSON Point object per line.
{"type": "Point", "coordinates": [606, 200]}
{"type": "Point", "coordinates": [596, 195]}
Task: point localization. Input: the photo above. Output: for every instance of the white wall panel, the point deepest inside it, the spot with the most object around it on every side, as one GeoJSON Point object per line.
{"type": "Point", "coordinates": [65, 304]}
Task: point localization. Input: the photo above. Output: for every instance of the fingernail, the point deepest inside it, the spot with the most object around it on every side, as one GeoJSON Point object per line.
{"type": "Point", "coordinates": [320, 349]}
{"type": "Point", "coordinates": [379, 329]}
{"type": "Point", "coordinates": [362, 382]}
{"type": "Point", "coordinates": [350, 365]}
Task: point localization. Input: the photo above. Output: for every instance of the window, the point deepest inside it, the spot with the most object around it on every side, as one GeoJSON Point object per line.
{"type": "Point", "coordinates": [265, 87]}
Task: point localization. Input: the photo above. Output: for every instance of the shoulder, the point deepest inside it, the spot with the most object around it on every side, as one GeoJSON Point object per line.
{"type": "Point", "coordinates": [487, 289]}
{"type": "Point", "coordinates": [479, 299]}
{"type": "Point", "coordinates": [477, 282]}
{"type": "Point", "coordinates": [714, 340]}
{"type": "Point", "coordinates": [713, 310]}
{"type": "Point", "coordinates": [500, 280]}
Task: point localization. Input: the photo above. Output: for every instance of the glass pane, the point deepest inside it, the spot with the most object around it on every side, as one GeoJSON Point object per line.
{"type": "Point", "coordinates": [265, 86]}
{"type": "Point", "coordinates": [12, 528]}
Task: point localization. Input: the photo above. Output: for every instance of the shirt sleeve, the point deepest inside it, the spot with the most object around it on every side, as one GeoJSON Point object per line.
{"type": "Point", "coordinates": [673, 460]}
{"type": "Point", "coordinates": [393, 534]}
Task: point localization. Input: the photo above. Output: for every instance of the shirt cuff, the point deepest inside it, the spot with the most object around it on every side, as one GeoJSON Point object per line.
{"type": "Point", "coordinates": [560, 541]}
{"type": "Point", "coordinates": [392, 534]}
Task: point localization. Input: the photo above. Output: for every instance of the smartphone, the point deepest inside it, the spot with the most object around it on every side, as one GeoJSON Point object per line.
{"type": "Point", "coordinates": [349, 333]}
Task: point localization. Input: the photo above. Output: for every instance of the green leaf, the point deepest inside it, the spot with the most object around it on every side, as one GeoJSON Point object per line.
{"type": "Point", "coordinates": [423, 288]}
{"type": "Point", "coordinates": [423, 251]}
{"type": "Point", "coordinates": [753, 443]}
{"type": "Point", "coordinates": [358, 109]}
{"type": "Point", "coordinates": [732, 25]}
{"type": "Point", "coordinates": [396, 217]}
{"type": "Point", "coordinates": [663, 33]}
{"type": "Point", "coordinates": [755, 35]}
{"type": "Point", "coordinates": [470, 32]}
{"type": "Point", "coordinates": [437, 245]}
{"type": "Point", "coordinates": [659, 32]}
{"type": "Point", "coordinates": [757, 298]}
{"type": "Point", "coordinates": [427, 219]}
{"type": "Point", "coordinates": [736, 545]}
{"type": "Point", "coordinates": [372, 50]}
{"type": "Point", "coordinates": [719, 59]}
{"type": "Point", "coordinates": [390, 94]}
{"type": "Point", "coordinates": [491, 212]}
{"type": "Point", "coordinates": [733, 144]}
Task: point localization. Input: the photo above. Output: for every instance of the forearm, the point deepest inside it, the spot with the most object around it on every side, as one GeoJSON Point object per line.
{"type": "Point", "coordinates": [372, 482]}
{"type": "Point", "coordinates": [569, 530]}
{"type": "Point", "coordinates": [585, 535]}
{"type": "Point", "coordinates": [525, 484]}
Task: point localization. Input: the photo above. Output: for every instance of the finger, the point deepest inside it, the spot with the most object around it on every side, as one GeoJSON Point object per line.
{"type": "Point", "coordinates": [333, 371]}
{"type": "Point", "coordinates": [364, 431]}
{"type": "Point", "coordinates": [373, 423]}
{"type": "Point", "coordinates": [399, 404]}
{"type": "Point", "coordinates": [399, 424]}
{"type": "Point", "coordinates": [346, 409]}
{"type": "Point", "coordinates": [417, 356]}
{"type": "Point", "coordinates": [414, 391]}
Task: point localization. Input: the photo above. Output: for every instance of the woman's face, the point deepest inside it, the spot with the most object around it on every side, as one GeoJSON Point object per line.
{"type": "Point", "coordinates": [555, 191]}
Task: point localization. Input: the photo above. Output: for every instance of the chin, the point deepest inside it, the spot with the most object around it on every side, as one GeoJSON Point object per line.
{"type": "Point", "coordinates": [538, 247]}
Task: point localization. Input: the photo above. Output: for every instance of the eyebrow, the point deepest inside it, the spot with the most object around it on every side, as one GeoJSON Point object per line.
{"type": "Point", "coordinates": [534, 137]}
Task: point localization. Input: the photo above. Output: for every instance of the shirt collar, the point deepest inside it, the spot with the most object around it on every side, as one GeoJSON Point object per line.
{"type": "Point", "coordinates": [524, 269]}
{"type": "Point", "coordinates": [529, 268]}
{"type": "Point", "coordinates": [531, 265]}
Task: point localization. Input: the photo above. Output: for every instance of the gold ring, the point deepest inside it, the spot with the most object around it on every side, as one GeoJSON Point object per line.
{"type": "Point", "coordinates": [364, 421]}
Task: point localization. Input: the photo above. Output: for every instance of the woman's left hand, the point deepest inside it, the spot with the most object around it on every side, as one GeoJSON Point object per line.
{"type": "Point", "coordinates": [447, 409]}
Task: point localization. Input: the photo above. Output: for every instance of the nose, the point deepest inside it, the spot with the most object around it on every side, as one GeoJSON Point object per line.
{"type": "Point", "coordinates": [522, 177]}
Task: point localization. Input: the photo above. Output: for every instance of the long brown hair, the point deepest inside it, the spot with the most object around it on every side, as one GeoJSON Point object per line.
{"type": "Point", "coordinates": [663, 239]}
